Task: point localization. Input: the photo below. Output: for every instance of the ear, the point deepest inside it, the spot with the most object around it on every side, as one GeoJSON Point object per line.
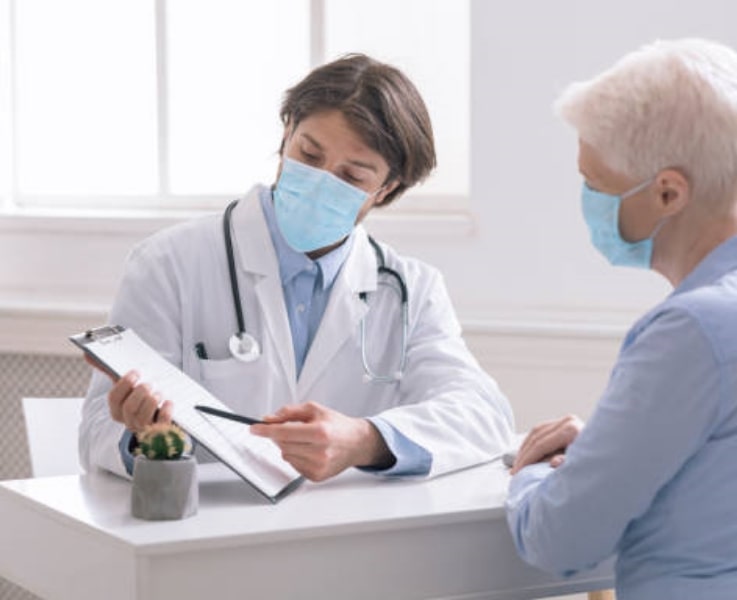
{"type": "Point", "coordinates": [388, 189]}
{"type": "Point", "coordinates": [673, 190]}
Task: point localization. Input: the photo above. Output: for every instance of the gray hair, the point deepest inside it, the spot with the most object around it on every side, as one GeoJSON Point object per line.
{"type": "Point", "coordinates": [671, 104]}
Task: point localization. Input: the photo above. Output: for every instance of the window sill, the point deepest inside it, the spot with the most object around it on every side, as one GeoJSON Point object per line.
{"type": "Point", "coordinates": [141, 222]}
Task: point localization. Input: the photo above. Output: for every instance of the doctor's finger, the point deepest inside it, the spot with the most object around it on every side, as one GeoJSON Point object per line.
{"type": "Point", "coordinates": [292, 432]}
{"type": "Point", "coordinates": [310, 465]}
{"type": "Point", "coordinates": [119, 392]}
{"type": "Point", "coordinates": [166, 412]}
{"type": "Point", "coordinates": [307, 411]}
{"type": "Point", "coordinates": [139, 407]}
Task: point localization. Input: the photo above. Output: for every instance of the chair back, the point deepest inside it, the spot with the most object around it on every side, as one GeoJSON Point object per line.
{"type": "Point", "coordinates": [51, 428]}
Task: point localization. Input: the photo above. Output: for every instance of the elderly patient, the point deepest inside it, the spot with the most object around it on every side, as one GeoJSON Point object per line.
{"type": "Point", "coordinates": [652, 477]}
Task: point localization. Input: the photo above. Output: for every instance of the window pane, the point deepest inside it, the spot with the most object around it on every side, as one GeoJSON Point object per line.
{"type": "Point", "coordinates": [86, 110]}
{"type": "Point", "coordinates": [430, 41]}
{"type": "Point", "coordinates": [229, 63]}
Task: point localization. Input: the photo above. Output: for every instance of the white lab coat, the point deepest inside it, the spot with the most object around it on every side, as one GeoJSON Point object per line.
{"type": "Point", "coordinates": [176, 292]}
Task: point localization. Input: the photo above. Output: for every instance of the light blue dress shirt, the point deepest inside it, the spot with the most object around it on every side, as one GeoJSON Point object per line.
{"type": "Point", "coordinates": [307, 285]}
{"type": "Point", "coordinates": [653, 475]}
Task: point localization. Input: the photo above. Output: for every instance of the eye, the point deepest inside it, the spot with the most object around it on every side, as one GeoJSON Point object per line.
{"type": "Point", "coordinates": [310, 157]}
{"type": "Point", "coordinates": [352, 179]}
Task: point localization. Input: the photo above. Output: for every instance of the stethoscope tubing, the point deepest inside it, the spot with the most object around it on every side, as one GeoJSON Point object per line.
{"type": "Point", "coordinates": [231, 268]}
{"type": "Point", "coordinates": [242, 336]}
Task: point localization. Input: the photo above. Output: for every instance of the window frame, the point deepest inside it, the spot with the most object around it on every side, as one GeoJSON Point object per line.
{"type": "Point", "coordinates": [427, 207]}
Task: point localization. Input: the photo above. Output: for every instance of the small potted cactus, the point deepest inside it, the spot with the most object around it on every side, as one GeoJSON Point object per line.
{"type": "Point", "coordinates": [164, 475]}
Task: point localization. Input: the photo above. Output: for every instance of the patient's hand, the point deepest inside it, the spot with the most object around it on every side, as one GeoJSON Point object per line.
{"type": "Point", "coordinates": [548, 441]}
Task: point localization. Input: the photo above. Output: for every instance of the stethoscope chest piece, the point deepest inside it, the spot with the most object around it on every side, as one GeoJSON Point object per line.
{"type": "Point", "coordinates": [244, 347]}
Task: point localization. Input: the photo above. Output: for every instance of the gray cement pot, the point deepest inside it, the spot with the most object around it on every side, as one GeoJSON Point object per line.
{"type": "Point", "coordinates": [164, 489]}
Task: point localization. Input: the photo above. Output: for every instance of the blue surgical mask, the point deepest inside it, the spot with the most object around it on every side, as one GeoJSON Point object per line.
{"type": "Point", "coordinates": [601, 212]}
{"type": "Point", "coordinates": [314, 208]}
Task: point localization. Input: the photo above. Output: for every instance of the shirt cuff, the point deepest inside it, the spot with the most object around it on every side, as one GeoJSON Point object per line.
{"type": "Point", "coordinates": [411, 458]}
{"type": "Point", "coordinates": [124, 445]}
{"type": "Point", "coordinates": [525, 481]}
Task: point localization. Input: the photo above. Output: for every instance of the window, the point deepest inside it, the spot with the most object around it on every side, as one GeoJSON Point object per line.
{"type": "Point", "coordinates": [174, 104]}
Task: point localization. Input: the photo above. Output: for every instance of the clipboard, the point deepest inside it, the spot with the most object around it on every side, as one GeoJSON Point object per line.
{"type": "Point", "coordinates": [256, 460]}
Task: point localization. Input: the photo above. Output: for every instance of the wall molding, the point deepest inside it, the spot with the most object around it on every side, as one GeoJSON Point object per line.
{"type": "Point", "coordinates": [43, 327]}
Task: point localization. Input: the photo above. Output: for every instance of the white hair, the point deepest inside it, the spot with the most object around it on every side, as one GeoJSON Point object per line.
{"type": "Point", "coordinates": [671, 104]}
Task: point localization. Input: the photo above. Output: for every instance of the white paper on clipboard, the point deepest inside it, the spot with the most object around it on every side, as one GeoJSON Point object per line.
{"type": "Point", "coordinates": [257, 460]}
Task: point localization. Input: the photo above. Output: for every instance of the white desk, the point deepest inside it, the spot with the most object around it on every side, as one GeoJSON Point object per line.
{"type": "Point", "coordinates": [350, 538]}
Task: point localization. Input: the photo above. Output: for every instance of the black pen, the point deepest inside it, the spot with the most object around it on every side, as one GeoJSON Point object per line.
{"type": "Point", "coordinates": [227, 415]}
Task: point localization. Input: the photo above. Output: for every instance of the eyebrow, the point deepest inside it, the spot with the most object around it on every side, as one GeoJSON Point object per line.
{"type": "Point", "coordinates": [357, 163]}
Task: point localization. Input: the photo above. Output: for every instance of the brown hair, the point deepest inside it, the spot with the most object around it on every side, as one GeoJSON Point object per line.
{"type": "Point", "coordinates": [380, 103]}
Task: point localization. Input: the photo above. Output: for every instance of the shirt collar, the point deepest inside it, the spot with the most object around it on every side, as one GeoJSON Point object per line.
{"type": "Point", "coordinates": [293, 262]}
{"type": "Point", "coordinates": [717, 263]}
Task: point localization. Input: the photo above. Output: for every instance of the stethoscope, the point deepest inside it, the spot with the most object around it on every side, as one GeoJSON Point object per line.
{"type": "Point", "coordinates": [244, 347]}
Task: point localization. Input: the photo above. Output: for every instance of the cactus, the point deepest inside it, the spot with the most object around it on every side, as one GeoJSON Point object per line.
{"type": "Point", "coordinates": [162, 441]}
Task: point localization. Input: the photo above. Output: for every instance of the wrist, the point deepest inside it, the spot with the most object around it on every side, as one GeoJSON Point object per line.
{"type": "Point", "coordinates": [373, 450]}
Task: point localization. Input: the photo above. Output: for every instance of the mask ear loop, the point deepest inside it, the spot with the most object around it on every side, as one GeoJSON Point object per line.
{"type": "Point", "coordinates": [661, 222]}
{"type": "Point", "coordinates": [637, 189]}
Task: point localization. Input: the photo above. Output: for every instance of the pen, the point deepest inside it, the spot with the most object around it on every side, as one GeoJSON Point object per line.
{"type": "Point", "coordinates": [227, 415]}
{"type": "Point", "coordinates": [199, 348]}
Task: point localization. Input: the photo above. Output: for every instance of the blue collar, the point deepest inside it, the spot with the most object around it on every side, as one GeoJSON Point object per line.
{"type": "Point", "coordinates": [292, 262]}
{"type": "Point", "coordinates": [717, 263]}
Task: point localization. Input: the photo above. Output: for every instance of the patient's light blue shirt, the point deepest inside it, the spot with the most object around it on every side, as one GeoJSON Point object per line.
{"type": "Point", "coordinates": [653, 475]}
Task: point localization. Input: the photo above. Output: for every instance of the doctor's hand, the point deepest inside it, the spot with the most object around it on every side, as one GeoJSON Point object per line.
{"type": "Point", "coordinates": [548, 441]}
{"type": "Point", "coordinates": [133, 404]}
{"type": "Point", "coordinates": [320, 442]}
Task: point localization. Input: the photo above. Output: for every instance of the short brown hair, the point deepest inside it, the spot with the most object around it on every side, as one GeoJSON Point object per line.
{"type": "Point", "coordinates": [380, 103]}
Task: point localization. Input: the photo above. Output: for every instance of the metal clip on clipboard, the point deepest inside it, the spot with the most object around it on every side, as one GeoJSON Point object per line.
{"type": "Point", "coordinates": [104, 334]}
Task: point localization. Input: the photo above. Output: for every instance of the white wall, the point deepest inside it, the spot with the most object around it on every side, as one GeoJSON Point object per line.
{"type": "Point", "coordinates": [541, 309]}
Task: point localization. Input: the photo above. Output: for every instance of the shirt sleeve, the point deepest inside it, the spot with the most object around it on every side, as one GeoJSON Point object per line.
{"type": "Point", "coordinates": [448, 405]}
{"type": "Point", "coordinates": [662, 402]}
{"type": "Point", "coordinates": [126, 455]}
{"type": "Point", "coordinates": [410, 458]}
{"type": "Point", "coordinates": [146, 301]}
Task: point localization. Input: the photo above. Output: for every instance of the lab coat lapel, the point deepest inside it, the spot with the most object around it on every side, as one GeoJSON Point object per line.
{"type": "Point", "coordinates": [343, 313]}
{"type": "Point", "coordinates": [256, 256]}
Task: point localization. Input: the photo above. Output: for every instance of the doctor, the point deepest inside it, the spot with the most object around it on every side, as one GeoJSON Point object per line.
{"type": "Point", "coordinates": [284, 307]}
